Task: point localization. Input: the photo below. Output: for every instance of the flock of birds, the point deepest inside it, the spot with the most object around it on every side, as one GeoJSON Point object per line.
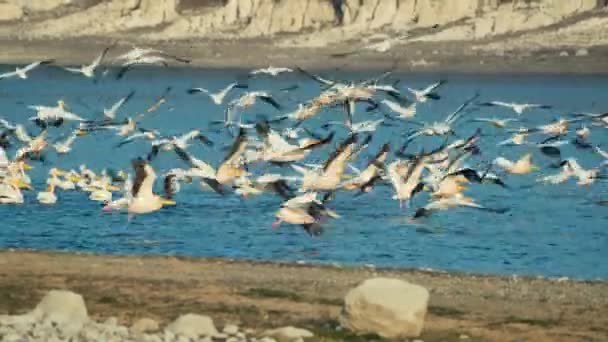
{"type": "Point", "coordinates": [283, 140]}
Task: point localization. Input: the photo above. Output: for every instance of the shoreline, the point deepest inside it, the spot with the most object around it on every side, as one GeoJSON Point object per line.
{"type": "Point", "coordinates": [264, 295]}
{"type": "Point", "coordinates": [414, 57]}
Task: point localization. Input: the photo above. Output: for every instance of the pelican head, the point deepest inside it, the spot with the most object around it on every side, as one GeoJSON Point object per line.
{"type": "Point", "coordinates": [56, 172]}
{"type": "Point", "coordinates": [62, 105]}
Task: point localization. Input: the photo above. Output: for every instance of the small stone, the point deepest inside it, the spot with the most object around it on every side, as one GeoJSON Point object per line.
{"type": "Point", "coordinates": [267, 339]}
{"type": "Point", "coordinates": [193, 325]}
{"type": "Point", "coordinates": [182, 338]}
{"type": "Point", "coordinates": [112, 321]}
{"type": "Point", "coordinates": [582, 52]}
{"type": "Point", "coordinates": [564, 54]}
{"type": "Point", "coordinates": [288, 334]}
{"type": "Point", "coordinates": [144, 325]}
{"type": "Point", "coordinates": [220, 336]}
{"type": "Point", "coordinates": [230, 329]}
{"type": "Point", "coordinates": [168, 336]}
{"type": "Point", "coordinates": [463, 337]}
{"type": "Point", "coordinates": [232, 339]}
{"type": "Point", "coordinates": [240, 335]}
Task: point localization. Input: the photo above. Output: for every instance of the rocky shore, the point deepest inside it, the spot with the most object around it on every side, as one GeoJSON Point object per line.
{"type": "Point", "coordinates": [440, 35]}
{"type": "Point", "coordinates": [259, 297]}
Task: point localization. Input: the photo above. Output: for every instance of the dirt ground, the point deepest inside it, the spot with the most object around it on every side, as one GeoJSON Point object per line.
{"type": "Point", "coordinates": [417, 57]}
{"type": "Point", "coordinates": [263, 295]}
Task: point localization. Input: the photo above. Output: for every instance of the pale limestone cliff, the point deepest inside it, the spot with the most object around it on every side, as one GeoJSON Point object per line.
{"type": "Point", "coordinates": [291, 22]}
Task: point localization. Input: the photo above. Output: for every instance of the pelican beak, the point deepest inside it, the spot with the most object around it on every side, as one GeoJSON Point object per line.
{"type": "Point", "coordinates": [534, 168]}
{"type": "Point", "coordinates": [164, 201]}
{"type": "Point", "coordinates": [426, 188]}
{"type": "Point", "coordinates": [27, 166]}
{"type": "Point", "coordinates": [74, 179]}
{"type": "Point", "coordinates": [22, 185]}
{"type": "Point", "coordinates": [60, 172]}
{"type": "Point", "coordinates": [347, 177]}
{"type": "Point", "coordinates": [81, 132]}
{"type": "Point", "coordinates": [114, 188]}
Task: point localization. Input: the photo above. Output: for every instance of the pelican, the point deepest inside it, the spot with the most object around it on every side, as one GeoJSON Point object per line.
{"type": "Point", "coordinates": [365, 179]}
{"type": "Point", "coordinates": [442, 127]}
{"type": "Point", "coordinates": [518, 138]}
{"type": "Point", "coordinates": [272, 71]}
{"type": "Point", "coordinates": [143, 200]}
{"type": "Point", "coordinates": [358, 127]}
{"type": "Point", "coordinates": [404, 112]}
{"type": "Point", "coordinates": [518, 108]}
{"type": "Point", "coordinates": [22, 72]}
{"type": "Point", "coordinates": [520, 167]}
{"type": "Point", "coordinates": [496, 122]}
{"type": "Point", "coordinates": [10, 190]}
{"type": "Point", "coordinates": [54, 115]}
{"type": "Point", "coordinates": [110, 114]}
{"type": "Point", "coordinates": [247, 100]}
{"type": "Point", "coordinates": [422, 95]}
{"type": "Point", "coordinates": [452, 202]}
{"type": "Point", "coordinates": [65, 146]}
{"type": "Point", "coordinates": [48, 196]}
{"type": "Point", "coordinates": [303, 210]}
{"type": "Point", "coordinates": [89, 70]}
{"type": "Point", "coordinates": [603, 154]}
{"type": "Point", "coordinates": [217, 98]}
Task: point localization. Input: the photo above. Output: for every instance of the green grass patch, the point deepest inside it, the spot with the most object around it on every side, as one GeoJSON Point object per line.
{"type": "Point", "coordinates": [545, 323]}
{"type": "Point", "coordinates": [445, 311]}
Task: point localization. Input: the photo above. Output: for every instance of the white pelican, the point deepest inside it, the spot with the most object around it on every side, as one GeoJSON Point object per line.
{"type": "Point", "coordinates": [422, 95]}
{"type": "Point", "coordinates": [303, 210]}
{"type": "Point", "coordinates": [22, 72]}
{"type": "Point", "coordinates": [217, 98]}
{"type": "Point", "coordinates": [518, 138]}
{"type": "Point", "coordinates": [518, 108]}
{"type": "Point", "coordinates": [89, 70]}
{"type": "Point", "coordinates": [442, 127]}
{"type": "Point", "coordinates": [458, 200]}
{"type": "Point", "coordinates": [358, 127]}
{"type": "Point", "coordinates": [48, 196]}
{"type": "Point", "coordinates": [603, 154]}
{"type": "Point", "coordinates": [54, 115]}
{"type": "Point", "coordinates": [10, 190]}
{"type": "Point", "coordinates": [372, 173]}
{"type": "Point", "coordinates": [520, 167]}
{"type": "Point", "coordinates": [246, 101]}
{"type": "Point", "coordinates": [110, 114]}
{"type": "Point", "coordinates": [496, 122]}
{"type": "Point", "coordinates": [272, 71]}
{"type": "Point", "coordinates": [65, 146]}
{"type": "Point", "coordinates": [143, 200]}
{"type": "Point", "coordinates": [404, 112]}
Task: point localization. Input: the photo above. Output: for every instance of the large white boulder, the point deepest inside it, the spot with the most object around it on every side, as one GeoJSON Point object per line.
{"type": "Point", "coordinates": [193, 326]}
{"type": "Point", "coordinates": [288, 334]}
{"type": "Point", "coordinates": [64, 309]}
{"type": "Point", "coordinates": [10, 12]}
{"type": "Point", "coordinates": [391, 308]}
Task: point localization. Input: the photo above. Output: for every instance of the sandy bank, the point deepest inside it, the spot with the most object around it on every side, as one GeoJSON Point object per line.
{"type": "Point", "coordinates": [263, 295]}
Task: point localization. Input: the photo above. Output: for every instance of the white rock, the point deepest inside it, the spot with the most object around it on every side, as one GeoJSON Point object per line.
{"type": "Point", "coordinates": [220, 336]}
{"type": "Point", "coordinates": [582, 52]}
{"type": "Point", "coordinates": [144, 325]}
{"type": "Point", "coordinates": [10, 12]}
{"type": "Point", "coordinates": [564, 54]}
{"type": "Point", "coordinates": [391, 308]}
{"type": "Point", "coordinates": [288, 334]}
{"type": "Point", "coordinates": [12, 337]}
{"type": "Point", "coordinates": [64, 308]}
{"type": "Point", "coordinates": [230, 329]}
{"type": "Point", "coordinates": [112, 321]}
{"type": "Point", "coordinates": [240, 335]}
{"type": "Point", "coordinates": [168, 336]}
{"type": "Point", "coordinates": [267, 339]}
{"type": "Point", "coordinates": [192, 325]}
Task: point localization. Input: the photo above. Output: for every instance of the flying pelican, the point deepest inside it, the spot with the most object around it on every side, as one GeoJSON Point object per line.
{"type": "Point", "coordinates": [518, 108]}
{"type": "Point", "coordinates": [110, 114]}
{"type": "Point", "coordinates": [304, 210]}
{"type": "Point", "coordinates": [359, 127]}
{"type": "Point", "coordinates": [496, 122]}
{"type": "Point", "coordinates": [520, 167]}
{"type": "Point", "coordinates": [422, 95]}
{"type": "Point", "coordinates": [143, 200]}
{"type": "Point", "coordinates": [366, 179]}
{"type": "Point", "coordinates": [89, 70]}
{"type": "Point", "coordinates": [404, 112]}
{"type": "Point", "coordinates": [218, 97]}
{"type": "Point", "coordinates": [22, 72]}
{"type": "Point", "coordinates": [272, 71]}
{"type": "Point", "coordinates": [65, 146]}
{"type": "Point", "coordinates": [54, 116]}
{"type": "Point", "coordinates": [452, 202]}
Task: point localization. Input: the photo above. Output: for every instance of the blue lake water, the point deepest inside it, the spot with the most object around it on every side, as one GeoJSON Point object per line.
{"type": "Point", "coordinates": [549, 230]}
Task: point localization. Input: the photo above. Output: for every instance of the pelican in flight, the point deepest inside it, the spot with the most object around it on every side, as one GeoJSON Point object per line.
{"type": "Point", "coordinates": [272, 71]}
{"type": "Point", "coordinates": [217, 98]}
{"type": "Point", "coordinates": [456, 201]}
{"type": "Point", "coordinates": [89, 69]}
{"type": "Point", "coordinates": [305, 210]}
{"type": "Point", "coordinates": [110, 114]}
{"type": "Point", "coordinates": [63, 147]}
{"type": "Point", "coordinates": [520, 167]}
{"type": "Point", "coordinates": [54, 116]}
{"type": "Point", "coordinates": [143, 200]}
{"type": "Point", "coordinates": [422, 95]}
{"type": "Point", "coordinates": [518, 108]}
{"type": "Point", "coordinates": [22, 72]}
{"type": "Point", "coordinates": [496, 122]}
{"type": "Point", "coordinates": [404, 112]}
